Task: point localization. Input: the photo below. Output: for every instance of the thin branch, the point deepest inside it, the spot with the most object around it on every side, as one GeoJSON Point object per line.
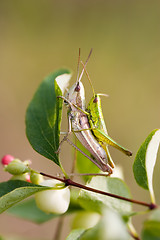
{"type": "Point", "coordinates": [69, 182]}
{"type": "Point", "coordinates": [59, 228]}
{"type": "Point", "coordinates": [134, 236]}
{"type": "Point", "coordinates": [132, 231]}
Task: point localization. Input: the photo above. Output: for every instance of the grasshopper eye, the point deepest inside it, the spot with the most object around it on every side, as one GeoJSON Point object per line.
{"type": "Point", "coordinates": [77, 88]}
{"type": "Point", "coordinates": [95, 100]}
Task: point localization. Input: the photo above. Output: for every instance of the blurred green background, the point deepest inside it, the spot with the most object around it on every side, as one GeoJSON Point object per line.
{"type": "Point", "coordinates": [38, 37]}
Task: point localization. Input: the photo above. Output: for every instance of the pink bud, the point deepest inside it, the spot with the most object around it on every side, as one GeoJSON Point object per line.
{"type": "Point", "coordinates": [7, 159]}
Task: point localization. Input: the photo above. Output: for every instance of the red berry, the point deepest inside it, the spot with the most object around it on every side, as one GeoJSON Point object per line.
{"type": "Point", "coordinates": [7, 159]}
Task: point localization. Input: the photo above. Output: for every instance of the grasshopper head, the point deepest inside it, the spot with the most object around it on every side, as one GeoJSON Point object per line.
{"type": "Point", "coordinates": [94, 102]}
{"type": "Point", "coordinates": [76, 95]}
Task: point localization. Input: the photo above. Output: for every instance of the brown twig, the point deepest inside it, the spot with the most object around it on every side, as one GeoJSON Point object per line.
{"type": "Point", "coordinates": [59, 228]}
{"type": "Point", "coordinates": [134, 236]}
{"type": "Point", "coordinates": [69, 182]}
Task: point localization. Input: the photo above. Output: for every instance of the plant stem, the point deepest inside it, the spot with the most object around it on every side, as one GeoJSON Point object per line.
{"type": "Point", "coordinates": [135, 237]}
{"type": "Point", "coordinates": [132, 231]}
{"type": "Point", "coordinates": [59, 228]}
{"type": "Point", "coordinates": [69, 182]}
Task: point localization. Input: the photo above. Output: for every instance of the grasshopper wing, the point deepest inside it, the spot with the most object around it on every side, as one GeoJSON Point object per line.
{"type": "Point", "coordinates": [104, 138]}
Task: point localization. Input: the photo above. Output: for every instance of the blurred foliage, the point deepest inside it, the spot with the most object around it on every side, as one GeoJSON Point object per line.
{"type": "Point", "coordinates": [38, 37]}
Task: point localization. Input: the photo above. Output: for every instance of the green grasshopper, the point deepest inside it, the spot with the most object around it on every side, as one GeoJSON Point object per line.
{"type": "Point", "coordinates": [79, 123]}
{"type": "Point", "coordinates": [97, 124]}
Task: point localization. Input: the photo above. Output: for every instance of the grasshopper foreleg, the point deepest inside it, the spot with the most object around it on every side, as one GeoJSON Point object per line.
{"type": "Point", "coordinates": [66, 136]}
{"type": "Point", "coordinates": [74, 105]}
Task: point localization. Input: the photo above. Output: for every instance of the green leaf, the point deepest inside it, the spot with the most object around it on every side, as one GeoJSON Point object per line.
{"type": "Point", "coordinates": [151, 228]}
{"type": "Point", "coordinates": [14, 191]}
{"type": "Point", "coordinates": [76, 234]}
{"type": "Point", "coordinates": [83, 164]}
{"type": "Point", "coordinates": [145, 160]}
{"type": "Point", "coordinates": [155, 215]}
{"type": "Point", "coordinates": [110, 227]}
{"type": "Point", "coordinates": [43, 117]}
{"type": "Point", "coordinates": [97, 202]}
{"type": "Point", "coordinates": [74, 200]}
{"type": "Point", "coordinates": [28, 210]}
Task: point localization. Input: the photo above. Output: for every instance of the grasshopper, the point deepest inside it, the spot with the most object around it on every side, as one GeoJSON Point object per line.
{"type": "Point", "coordinates": [97, 124]}
{"type": "Point", "coordinates": [79, 123]}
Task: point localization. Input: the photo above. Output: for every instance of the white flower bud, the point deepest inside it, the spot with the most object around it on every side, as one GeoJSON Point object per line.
{"type": "Point", "coordinates": [53, 201]}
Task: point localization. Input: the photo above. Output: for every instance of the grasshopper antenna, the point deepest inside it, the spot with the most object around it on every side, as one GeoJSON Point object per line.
{"type": "Point", "coordinates": [100, 94]}
{"type": "Point", "coordinates": [103, 94]}
{"type": "Point", "coordinates": [84, 69]}
{"type": "Point", "coordinates": [78, 80]}
{"type": "Point", "coordinates": [79, 55]}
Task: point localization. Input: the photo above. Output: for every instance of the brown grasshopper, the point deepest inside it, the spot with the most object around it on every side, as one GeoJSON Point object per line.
{"type": "Point", "coordinates": [79, 124]}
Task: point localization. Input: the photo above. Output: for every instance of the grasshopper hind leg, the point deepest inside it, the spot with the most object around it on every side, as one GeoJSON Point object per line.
{"type": "Point", "coordinates": [110, 161]}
